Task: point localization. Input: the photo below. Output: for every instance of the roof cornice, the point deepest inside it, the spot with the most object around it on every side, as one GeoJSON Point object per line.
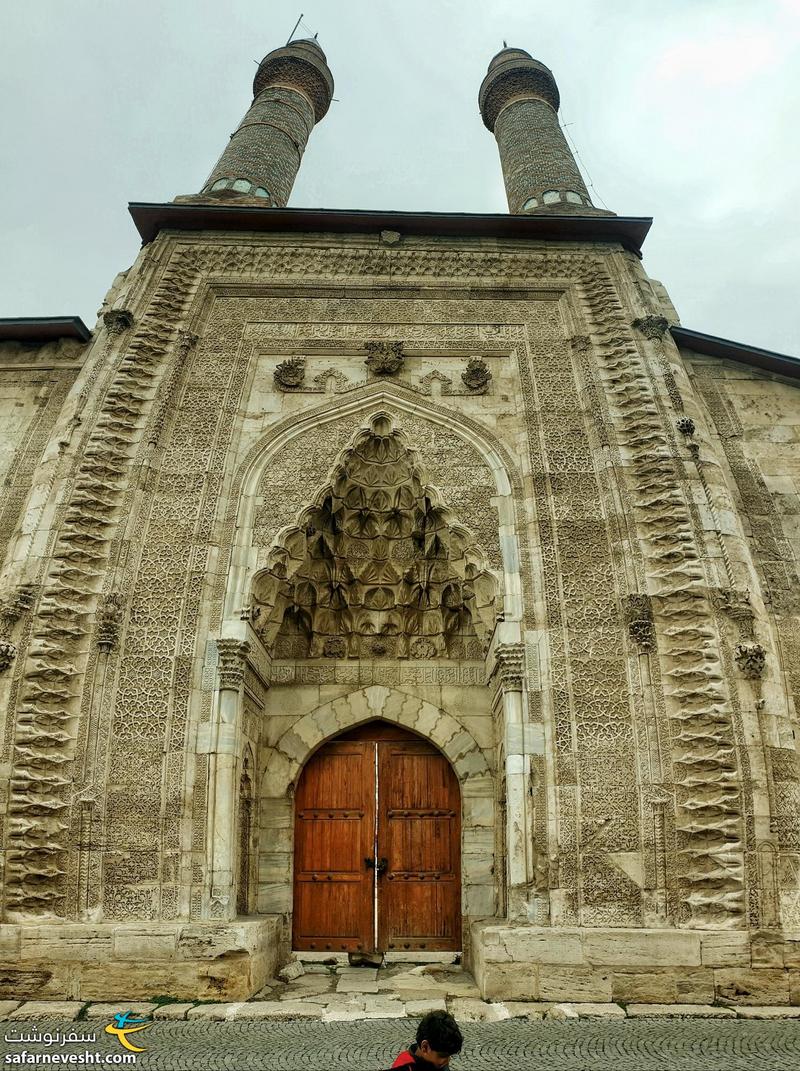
{"type": "Point", "coordinates": [713, 346]}
{"type": "Point", "coordinates": [43, 328]}
{"type": "Point", "coordinates": [150, 219]}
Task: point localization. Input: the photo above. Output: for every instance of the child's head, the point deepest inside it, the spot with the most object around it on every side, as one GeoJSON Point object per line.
{"type": "Point", "coordinates": [438, 1038]}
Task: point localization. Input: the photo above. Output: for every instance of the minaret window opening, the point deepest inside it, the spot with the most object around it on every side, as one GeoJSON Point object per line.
{"type": "Point", "coordinates": [573, 198]}
{"type": "Point", "coordinates": [550, 197]}
{"type": "Point", "coordinates": [532, 202]}
{"type": "Point", "coordinates": [241, 185]}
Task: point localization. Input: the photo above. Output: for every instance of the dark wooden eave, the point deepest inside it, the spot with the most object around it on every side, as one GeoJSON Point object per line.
{"type": "Point", "coordinates": [713, 346]}
{"type": "Point", "coordinates": [627, 231]}
{"type": "Point", "coordinates": [43, 329]}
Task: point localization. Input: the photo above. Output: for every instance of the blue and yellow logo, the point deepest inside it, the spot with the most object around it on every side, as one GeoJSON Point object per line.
{"type": "Point", "coordinates": [120, 1028]}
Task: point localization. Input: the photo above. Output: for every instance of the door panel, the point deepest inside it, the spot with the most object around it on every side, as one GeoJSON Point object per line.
{"type": "Point", "coordinates": [334, 833]}
{"type": "Point", "coordinates": [419, 833]}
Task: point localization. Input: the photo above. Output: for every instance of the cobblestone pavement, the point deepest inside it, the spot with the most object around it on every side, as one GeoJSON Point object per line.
{"type": "Point", "coordinates": [511, 1045]}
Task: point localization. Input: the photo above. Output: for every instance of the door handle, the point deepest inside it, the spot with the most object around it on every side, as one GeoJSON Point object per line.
{"type": "Point", "coordinates": [379, 866]}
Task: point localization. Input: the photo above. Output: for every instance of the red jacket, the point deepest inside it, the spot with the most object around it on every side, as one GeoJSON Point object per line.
{"type": "Point", "coordinates": [405, 1059]}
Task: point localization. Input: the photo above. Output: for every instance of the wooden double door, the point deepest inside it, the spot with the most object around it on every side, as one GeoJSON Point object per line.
{"type": "Point", "coordinates": [377, 846]}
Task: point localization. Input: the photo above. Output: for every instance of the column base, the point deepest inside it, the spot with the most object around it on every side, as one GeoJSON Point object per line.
{"type": "Point", "coordinates": [140, 960]}
{"type": "Point", "coordinates": [642, 966]}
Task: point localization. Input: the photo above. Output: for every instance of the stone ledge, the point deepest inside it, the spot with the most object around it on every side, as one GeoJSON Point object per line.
{"type": "Point", "coordinates": [466, 1010]}
{"type": "Point", "coordinates": [657, 967]}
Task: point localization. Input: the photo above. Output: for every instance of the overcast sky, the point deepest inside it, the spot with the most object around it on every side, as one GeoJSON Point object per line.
{"type": "Point", "coordinates": [686, 110]}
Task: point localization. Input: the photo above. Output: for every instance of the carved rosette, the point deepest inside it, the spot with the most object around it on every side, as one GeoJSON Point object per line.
{"type": "Point", "coordinates": [652, 327]}
{"type": "Point", "coordinates": [232, 662]}
{"type": "Point", "coordinates": [476, 377]}
{"type": "Point", "coordinates": [639, 619]}
{"type": "Point", "coordinates": [289, 374]}
{"type": "Point", "coordinates": [751, 658]}
{"type": "Point", "coordinates": [384, 358]}
{"type": "Point", "coordinates": [510, 666]}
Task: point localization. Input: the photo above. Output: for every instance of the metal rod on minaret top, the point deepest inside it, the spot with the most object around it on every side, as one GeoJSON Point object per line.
{"type": "Point", "coordinates": [294, 31]}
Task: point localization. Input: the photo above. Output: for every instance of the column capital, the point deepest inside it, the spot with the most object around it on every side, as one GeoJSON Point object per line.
{"type": "Point", "coordinates": [510, 666]}
{"type": "Point", "coordinates": [232, 662]}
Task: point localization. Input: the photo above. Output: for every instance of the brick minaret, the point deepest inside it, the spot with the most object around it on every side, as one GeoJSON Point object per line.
{"type": "Point", "coordinates": [292, 91]}
{"type": "Point", "coordinates": [519, 104]}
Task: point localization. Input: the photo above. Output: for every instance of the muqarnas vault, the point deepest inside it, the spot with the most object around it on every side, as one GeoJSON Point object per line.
{"type": "Point", "coordinates": [382, 581]}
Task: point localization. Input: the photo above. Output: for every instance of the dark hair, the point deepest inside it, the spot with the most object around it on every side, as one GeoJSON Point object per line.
{"type": "Point", "coordinates": [440, 1030]}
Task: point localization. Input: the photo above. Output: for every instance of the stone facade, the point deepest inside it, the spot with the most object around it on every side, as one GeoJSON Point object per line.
{"type": "Point", "coordinates": [617, 694]}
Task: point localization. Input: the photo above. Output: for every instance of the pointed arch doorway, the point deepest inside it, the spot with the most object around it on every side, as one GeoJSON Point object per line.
{"type": "Point", "coordinates": [377, 846]}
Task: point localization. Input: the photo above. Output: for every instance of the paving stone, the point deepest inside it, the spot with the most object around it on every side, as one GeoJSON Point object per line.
{"type": "Point", "coordinates": [293, 969]}
{"type": "Point", "coordinates": [7, 1006]}
{"type": "Point", "coordinates": [356, 985]}
{"type": "Point", "coordinates": [706, 1011]}
{"type": "Point", "coordinates": [343, 1015]}
{"type": "Point", "coordinates": [523, 1009]}
{"type": "Point", "coordinates": [215, 1012]}
{"type": "Point", "coordinates": [370, 974]}
{"type": "Point", "coordinates": [274, 1009]}
{"type": "Point", "coordinates": [171, 1011]}
{"type": "Point", "coordinates": [753, 1012]}
{"type": "Point", "coordinates": [108, 1011]}
{"type": "Point", "coordinates": [422, 1007]}
{"type": "Point", "coordinates": [48, 1009]}
{"type": "Point", "coordinates": [477, 1011]}
{"type": "Point", "coordinates": [599, 1011]}
{"type": "Point", "coordinates": [393, 1008]}
{"type": "Point", "coordinates": [357, 1042]}
{"type": "Point", "coordinates": [316, 968]}
{"type": "Point", "coordinates": [562, 1011]}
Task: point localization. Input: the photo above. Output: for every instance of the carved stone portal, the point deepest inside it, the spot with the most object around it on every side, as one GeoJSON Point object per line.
{"type": "Point", "coordinates": [376, 566]}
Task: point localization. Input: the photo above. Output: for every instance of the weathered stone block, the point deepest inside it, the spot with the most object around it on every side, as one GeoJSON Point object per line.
{"type": "Point", "coordinates": [766, 949]}
{"type": "Point", "coordinates": [574, 984]}
{"type": "Point", "coordinates": [725, 949]}
{"type": "Point", "coordinates": [741, 986]}
{"type": "Point", "coordinates": [646, 948]}
{"type": "Point", "coordinates": [144, 946]}
{"type": "Point", "coordinates": [7, 1006]}
{"type": "Point", "coordinates": [664, 986]}
{"type": "Point", "coordinates": [512, 981]}
{"type": "Point", "coordinates": [65, 944]}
